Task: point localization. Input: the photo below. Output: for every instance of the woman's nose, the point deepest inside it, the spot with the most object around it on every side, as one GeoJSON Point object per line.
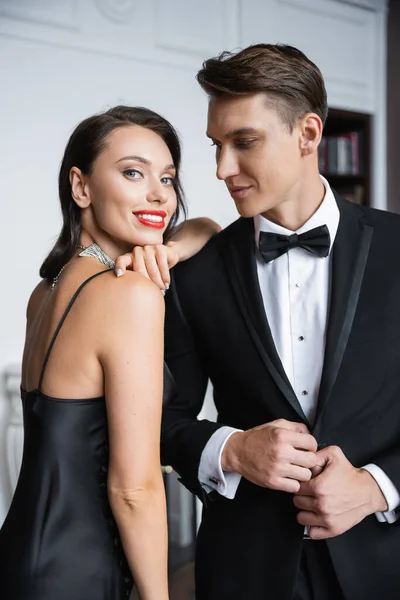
{"type": "Point", "coordinates": [158, 193]}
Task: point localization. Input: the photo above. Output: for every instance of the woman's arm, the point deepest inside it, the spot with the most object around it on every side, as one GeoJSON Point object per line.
{"type": "Point", "coordinates": [155, 262]}
{"type": "Point", "coordinates": [190, 237]}
{"type": "Point", "coordinates": [132, 361]}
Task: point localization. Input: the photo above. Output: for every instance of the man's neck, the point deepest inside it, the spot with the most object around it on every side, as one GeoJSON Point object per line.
{"type": "Point", "coordinates": [303, 201]}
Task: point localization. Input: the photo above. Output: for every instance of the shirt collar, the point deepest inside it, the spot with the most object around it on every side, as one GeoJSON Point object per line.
{"type": "Point", "coordinates": [326, 214]}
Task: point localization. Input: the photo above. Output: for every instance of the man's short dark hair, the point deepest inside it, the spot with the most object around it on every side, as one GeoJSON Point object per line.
{"type": "Point", "coordinates": [291, 82]}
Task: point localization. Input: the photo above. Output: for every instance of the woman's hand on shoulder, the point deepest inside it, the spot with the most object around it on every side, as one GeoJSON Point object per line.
{"type": "Point", "coordinates": [155, 262]}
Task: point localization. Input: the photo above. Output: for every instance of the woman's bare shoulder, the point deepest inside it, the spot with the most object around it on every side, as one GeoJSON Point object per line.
{"type": "Point", "coordinates": [36, 298]}
{"type": "Point", "coordinates": [126, 293]}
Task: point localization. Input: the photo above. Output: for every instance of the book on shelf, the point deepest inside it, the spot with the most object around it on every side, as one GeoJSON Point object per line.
{"type": "Point", "coordinates": [341, 154]}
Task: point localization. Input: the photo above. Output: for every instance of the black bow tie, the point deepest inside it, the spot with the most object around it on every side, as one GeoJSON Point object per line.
{"type": "Point", "coordinates": [317, 241]}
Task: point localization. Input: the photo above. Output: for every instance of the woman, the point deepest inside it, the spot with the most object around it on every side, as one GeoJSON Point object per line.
{"type": "Point", "coordinates": [89, 509]}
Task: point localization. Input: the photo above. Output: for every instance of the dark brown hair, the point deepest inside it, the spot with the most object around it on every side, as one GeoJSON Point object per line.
{"type": "Point", "coordinates": [85, 144]}
{"type": "Point", "coordinates": [288, 78]}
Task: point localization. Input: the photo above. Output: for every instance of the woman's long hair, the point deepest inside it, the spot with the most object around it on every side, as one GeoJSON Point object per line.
{"type": "Point", "coordinates": [85, 144]}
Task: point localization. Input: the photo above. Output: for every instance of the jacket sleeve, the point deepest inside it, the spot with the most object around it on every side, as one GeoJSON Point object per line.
{"type": "Point", "coordinates": [183, 436]}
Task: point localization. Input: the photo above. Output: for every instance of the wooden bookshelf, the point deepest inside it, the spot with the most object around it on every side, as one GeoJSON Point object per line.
{"type": "Point", "coordinates": [345, 152]}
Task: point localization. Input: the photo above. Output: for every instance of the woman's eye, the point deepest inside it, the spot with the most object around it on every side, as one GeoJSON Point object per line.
{"type": "Point", "coordinates": [167, 180]}
{"type": "Point", "coordinates": [133, 173]}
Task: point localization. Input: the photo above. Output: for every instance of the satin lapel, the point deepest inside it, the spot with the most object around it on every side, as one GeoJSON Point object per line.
{"type": "Point", "coordinates": [350, 254]}
{"type": "Point", "coordinates": [240, 261]}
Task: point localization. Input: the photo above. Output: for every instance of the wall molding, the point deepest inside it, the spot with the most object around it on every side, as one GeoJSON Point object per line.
{"type": "Point", "coordinates": [155, 60]}
{"type": "Point", "coordinates": [325, 10]}
{"type": "Point", "coordinates": [62, 14]}
{"type": "Point", "coordinates": [228, 36]}
{"type": "Point", "coordinates": [118, 11]}
{"type": "Point", "coordinates": [375, 5]}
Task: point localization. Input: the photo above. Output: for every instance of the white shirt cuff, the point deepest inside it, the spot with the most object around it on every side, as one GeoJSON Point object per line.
{"type": "Point", "coordinates": [390, 492]}
{"type": "Point", "coordinates": [210, 473]}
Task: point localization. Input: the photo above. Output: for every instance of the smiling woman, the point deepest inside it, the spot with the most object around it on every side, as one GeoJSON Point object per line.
{"type": "Point", "coordinates": [88, 515]}
{"type": "Point", "coordinates": [127, 154]}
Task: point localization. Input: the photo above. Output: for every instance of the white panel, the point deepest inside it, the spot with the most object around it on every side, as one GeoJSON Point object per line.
{"type": "Point", "coordinates": [378, 5]}
{"type": "Point", "coordinates": [340, 39]}
{"type": "Point", "coordinates": [197, 27]}
{"type": "Point", "coordinates": [325, 7]}
{"type": "Point", "coordinates": [177, 33]}
{"type": "Point", "coordinates": [57, 13]}
{"type": "Point", "coordinates": [119, 11]}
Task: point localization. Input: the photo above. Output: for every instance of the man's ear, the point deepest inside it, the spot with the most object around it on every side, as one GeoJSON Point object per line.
{"type": "Point", "coordinates": [310, 133]}
{"type": "Point", "coordinates": [79, 188]}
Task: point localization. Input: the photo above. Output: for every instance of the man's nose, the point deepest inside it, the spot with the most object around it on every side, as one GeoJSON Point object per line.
{"type": "Point", "coordinates": [227, 165]}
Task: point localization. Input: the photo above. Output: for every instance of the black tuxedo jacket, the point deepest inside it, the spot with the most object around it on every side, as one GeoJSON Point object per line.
{"type": "Point", "coordinates": [216, 327]}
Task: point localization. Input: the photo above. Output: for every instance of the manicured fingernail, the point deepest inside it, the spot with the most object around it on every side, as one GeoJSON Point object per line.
{"type": "Point", "coordinates": [163, 292]}
{"type": "Point", "coordinates": [166, 287]}
{"type": "Point", "coordinates": [118, 272]}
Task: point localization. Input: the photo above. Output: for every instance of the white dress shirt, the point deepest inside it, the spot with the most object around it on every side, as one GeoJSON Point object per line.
{"type": "Point", "coordinates": [295, 289]}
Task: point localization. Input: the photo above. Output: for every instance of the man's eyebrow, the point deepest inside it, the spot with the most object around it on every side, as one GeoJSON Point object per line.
{"type": "Point", "coordinates": [233, 132]}
{"type": "Point", "coordinates": [143, 160]}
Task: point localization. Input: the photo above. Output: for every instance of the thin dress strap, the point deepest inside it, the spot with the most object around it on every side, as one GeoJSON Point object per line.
{"type": "Point", "coordinates": [60, 324]}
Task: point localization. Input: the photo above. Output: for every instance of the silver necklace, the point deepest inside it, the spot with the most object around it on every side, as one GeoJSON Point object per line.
{"type": "Point", "coordinates": [95, 251]}
{"type": "Point", "coordinates": [57, 277]}
{"type": "Point", "coordinates": [92, 250]}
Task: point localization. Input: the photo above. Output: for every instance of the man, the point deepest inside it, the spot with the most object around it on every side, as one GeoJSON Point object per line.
{"type": "Point", "coordinates": [293, 313]}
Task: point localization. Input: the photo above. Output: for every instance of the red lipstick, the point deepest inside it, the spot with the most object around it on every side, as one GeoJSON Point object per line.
{"type": "Point", "coordinates": [151, 218]}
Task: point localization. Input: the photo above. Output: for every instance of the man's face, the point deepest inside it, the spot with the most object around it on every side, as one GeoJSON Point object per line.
{"type": "Point", "coordinates": [257, 156]}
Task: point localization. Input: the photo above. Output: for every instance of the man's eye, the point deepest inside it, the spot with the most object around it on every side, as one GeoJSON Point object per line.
{"type": "Point", "coordinates": [243, 143]}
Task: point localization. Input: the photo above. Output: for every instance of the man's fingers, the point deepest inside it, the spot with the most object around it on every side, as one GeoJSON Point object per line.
{"type": "Point", "coordinates": [122, 263]}
{"type": "Point", "coordinates": [305, 503]}
{"type": "Point", "coordinates": [285, 484]}
{"type": "Point", "coordinates": [319, 533]}
{"type": "Point", "coordinates": [307, 517]}
{"type": "Point", "coordinates": [317, 470]}
{"type": "Point", "coordinates": [291, 425]}
{"type": "Point", "coordinates": [317, 530]}
{"type": "Point", "coordinates": [302, 458]}
{"type": "Point", "coordinates": [298, 473]}
{"type": "Point", "coordinates": [304, 441]}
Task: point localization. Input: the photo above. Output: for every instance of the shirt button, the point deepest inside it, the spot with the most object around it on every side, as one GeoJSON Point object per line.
{"type": "Point", "coordinates": [300, 338]}
{"type": "Point", "coordinates": [298, 284]}
{"type": "Point", "coordinates": [304, 393]}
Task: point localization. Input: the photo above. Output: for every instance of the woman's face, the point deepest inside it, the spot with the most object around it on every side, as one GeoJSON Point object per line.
{"type": "Point", "coordinates": [132, 196]}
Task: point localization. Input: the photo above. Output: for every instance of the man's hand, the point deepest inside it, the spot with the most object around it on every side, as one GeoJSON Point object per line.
{"type": "Point", "coordinates": [338, 497]}
{"type": "Point", "coordinates": [154, 262]}
{"type": "Point", "coordinates": [278, 455]}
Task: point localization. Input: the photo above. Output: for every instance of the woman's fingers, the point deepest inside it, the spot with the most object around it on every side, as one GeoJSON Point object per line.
{"type": "Point", "coordinates": [122, 263]}
{"type": "Point", "coordinates": [149, 256]}
{"type": "Point", "coordinates": [154, 262]}
{"type": "Point", "coordinates": [163, 267]}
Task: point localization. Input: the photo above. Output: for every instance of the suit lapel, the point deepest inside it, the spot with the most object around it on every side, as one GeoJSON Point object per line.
{"type": "Point", "coordinates": [240, 260]}
{"type": "Point", "coordinates": [349, 258]}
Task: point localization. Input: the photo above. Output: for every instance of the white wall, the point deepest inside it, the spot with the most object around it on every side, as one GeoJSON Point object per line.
{"type": "Point", "coordinates": [62, 60]}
